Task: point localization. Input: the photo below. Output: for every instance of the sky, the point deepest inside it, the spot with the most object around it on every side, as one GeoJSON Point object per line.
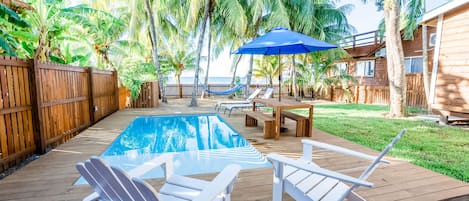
{"type": "Point", "coordinates": [364, 17]}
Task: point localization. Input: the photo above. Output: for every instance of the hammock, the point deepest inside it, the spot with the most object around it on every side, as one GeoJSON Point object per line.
{"type": "Point", "coordinates": [227, 92]}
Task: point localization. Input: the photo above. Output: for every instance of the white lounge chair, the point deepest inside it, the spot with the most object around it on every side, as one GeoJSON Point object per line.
{"type": "Point", "coordinates": [230, 107]}
{"type": "Point", "coordinates": [111, 183]}
{"type": "Point", "coordinates": [248, 100]}
{"type": "Point", "coordinates": [304, 180]}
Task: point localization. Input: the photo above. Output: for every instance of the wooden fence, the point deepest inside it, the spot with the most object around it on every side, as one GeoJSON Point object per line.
{"type": "Point", "coordinates": [148, 97]}
{"type": "Point", "coordinates": [380, 94]}
{"type": "Point", "coordinates": [45, 104]}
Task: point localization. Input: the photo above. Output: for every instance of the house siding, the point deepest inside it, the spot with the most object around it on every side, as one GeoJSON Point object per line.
{"type": "Point", "coordinates": [375, 90]}
{"type": "Point", "coordinates": [452, 84]}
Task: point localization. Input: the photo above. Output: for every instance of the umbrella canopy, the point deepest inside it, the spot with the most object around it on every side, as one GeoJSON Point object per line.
{"type": "Point", "coordinates": [283, 41]}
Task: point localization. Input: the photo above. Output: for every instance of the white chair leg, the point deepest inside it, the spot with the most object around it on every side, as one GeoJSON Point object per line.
{"type": "Point", "coordinates": [277, 188]}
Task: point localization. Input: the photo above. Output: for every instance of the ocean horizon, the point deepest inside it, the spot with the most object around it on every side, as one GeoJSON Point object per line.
{"type": "Point", "coordinates": [217, 80]}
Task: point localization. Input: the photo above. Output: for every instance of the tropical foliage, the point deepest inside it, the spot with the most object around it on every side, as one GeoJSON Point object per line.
{"type": "Point", "coordinates": [116, 34]}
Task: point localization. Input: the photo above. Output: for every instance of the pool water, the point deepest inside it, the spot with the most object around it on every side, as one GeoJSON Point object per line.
{"type": "Point", "coordinates": [200, 144]}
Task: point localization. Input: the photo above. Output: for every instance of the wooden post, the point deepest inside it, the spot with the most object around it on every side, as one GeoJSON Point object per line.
{"type": "Point", "coordinates": [36, 103]}
{"type": "Point", "coordinates": [154, 94]}
{"type": "Point", "coordinates": [89, 71]}
{"type": "Point", "coordinates": [116, 90]}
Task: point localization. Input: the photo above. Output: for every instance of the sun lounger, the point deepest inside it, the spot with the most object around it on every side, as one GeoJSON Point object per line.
{"type": "Point", "coordinates": [248, 100]}
{"type": "Point", "coordinates": [230, 107]}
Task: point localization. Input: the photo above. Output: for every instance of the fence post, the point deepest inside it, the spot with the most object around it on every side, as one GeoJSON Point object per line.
{"type": "Point", "coordinates": [89, 71]}
{"type": "Point", "coordinates": [36, 103]}
{"type": "Point", "coordinates": [116, 90]}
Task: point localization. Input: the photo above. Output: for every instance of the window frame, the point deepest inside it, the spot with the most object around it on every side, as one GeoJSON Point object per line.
{"type": "Point", "coordinates": [364, 69]}
{"type": "Point", "coordinates": [405, 66]}
{"type": "Point", "coordinates": [338, 68]}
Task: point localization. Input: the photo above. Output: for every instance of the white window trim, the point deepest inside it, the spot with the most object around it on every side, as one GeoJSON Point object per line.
{"type": "Point", "coordinates": [338, 68]}
{"type": "Point", "coordinates": [411, 57]}
{"type": "Point", "coordinates": [356, 68]}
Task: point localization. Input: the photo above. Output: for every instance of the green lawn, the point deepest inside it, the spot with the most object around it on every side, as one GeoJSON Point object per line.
{"type": "Point", "coordinates": [443, 149]}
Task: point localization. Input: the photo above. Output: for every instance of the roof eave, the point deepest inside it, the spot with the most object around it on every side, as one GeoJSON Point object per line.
{"type": "Point", "coordinates": [442, 9]}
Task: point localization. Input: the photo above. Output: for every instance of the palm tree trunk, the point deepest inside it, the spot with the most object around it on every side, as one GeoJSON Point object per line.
{"type": "Point", "coordinates": [249, 75]}
{"type": "Point", "coordinates": [395, 60]}
{"type": "Point", "coordinates": [155, 51]}
{"type": "Point", "coordinates": [235, 68]}
{"type": "Point", "coordinates": [208, 55]}
{"type": "Point", "coordinates": [199, 51]}
{"type": "Point", "coordinates": [178, 80]}
{"type": "Point", "coordinates": [293, 77]}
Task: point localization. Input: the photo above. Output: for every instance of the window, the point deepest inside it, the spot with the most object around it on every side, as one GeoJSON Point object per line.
{"type": "Point", "coordinates": [413, 65]}
{"type": "Point", "coordinates": [341, 68]}
{"type": "Point", "coordinates": [365, 68]}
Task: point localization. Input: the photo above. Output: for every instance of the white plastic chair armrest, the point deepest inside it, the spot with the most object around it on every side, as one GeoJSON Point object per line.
{"type": "Point", "coordinates": [309, 144]}
{"type": "Point", "coordinates": [301, 164]}
{"type": "Point", "coordinates": [165, 160]}
{"type": "Point", "coordinates": [221, 182]}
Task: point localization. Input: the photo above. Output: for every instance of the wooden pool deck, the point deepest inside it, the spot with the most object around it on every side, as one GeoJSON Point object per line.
{"type": "Point", "coordinates": [51, 177]}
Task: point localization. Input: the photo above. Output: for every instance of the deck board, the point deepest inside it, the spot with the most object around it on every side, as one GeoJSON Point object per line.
{"type": "Point", "coordinates": [52, 176]}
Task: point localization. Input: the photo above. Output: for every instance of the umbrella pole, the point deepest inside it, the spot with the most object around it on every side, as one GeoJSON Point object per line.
{"type": "Point", "coordinates": [279, 79]}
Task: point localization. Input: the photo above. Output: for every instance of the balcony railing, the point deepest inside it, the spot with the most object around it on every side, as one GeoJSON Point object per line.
{"type": "Point", "coordinates": [363, 39]}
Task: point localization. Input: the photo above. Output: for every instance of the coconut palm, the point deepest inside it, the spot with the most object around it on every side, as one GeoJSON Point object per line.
{"type": "Point", "coordinates": [394, 52]}
{"type": "Point", "coordinates": [178, 61]}
{"type": "Point", "coordinates": [267, 67]}
{"type": "Point", "coordinates": [154, 46]}
{"type": "Point", "coordinates": [232, 14]}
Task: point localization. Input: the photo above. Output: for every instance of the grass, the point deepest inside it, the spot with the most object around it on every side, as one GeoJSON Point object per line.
{"type": "Point", "coordinates": [443, 149]}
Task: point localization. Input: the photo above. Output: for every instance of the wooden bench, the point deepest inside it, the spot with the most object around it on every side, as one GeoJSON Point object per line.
{"type": "Point", "coordinates": [252, 117]}
{"type": "Point", "coordinates": [302, 122]}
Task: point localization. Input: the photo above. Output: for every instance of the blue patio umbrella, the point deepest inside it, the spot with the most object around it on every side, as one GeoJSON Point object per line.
{"type": "Point", "coordinates": [279, 41]}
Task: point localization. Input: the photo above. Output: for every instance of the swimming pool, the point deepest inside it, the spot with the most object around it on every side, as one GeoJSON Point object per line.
{"type": "Point", "coordinates": [202, 143]}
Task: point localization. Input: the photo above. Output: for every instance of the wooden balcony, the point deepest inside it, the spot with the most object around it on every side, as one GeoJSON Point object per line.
{"type": "Point", "coordinates": [363, 45]}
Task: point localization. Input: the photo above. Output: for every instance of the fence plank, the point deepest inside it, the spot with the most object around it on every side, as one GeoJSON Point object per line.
{"type": "Point", "coordinates": [380, 94]}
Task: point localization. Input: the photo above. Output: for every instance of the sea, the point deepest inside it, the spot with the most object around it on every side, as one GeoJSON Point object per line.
{"type": "Point", "coordinates": [218, 80]}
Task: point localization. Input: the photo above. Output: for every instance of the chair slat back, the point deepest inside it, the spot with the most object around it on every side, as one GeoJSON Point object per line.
{"type": "Point", "coordinates": [147, 191]}
{"type": "Point", "coordinates": [372, 166]}
{"type": "Point", "coordinates": [375, 162]}
{"type": "Point", "coordinates": [110, 191]}
{"type": "Point", "coordinates": [254, 94]}
{"type": "Point", "coordinates": [129, 185]}
{"type": "Point", "coordinates": [268, 93]}
{"type": "Point", "coordinates": [110, 178]}
{"type": "Point", "coordinates": [92, 181]}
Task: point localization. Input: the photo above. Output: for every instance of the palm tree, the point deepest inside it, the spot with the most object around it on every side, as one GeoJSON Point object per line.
{"type": "Point", "coordinates": [179, 61]}
{"type": "Point", "coordinates": [232, 14]}
{"type": "Point", "coordinates": [394, 51]}
{"type": "Point", "coordinates": [102, 31]}
{"type": "Point", "coordinates": [267, 67]}
{"type": "Point", "coordinates": [155, 50]}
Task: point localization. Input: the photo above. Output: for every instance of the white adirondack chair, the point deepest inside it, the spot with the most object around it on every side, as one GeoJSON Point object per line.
{"type": "Point", "coordinates": [111, 183]}
{"type": "Point", "coordinates": [302, 179]}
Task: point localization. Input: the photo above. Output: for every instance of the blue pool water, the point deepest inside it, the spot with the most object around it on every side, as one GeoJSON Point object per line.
{"type": "Point", "coordinates": [199, 144]}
